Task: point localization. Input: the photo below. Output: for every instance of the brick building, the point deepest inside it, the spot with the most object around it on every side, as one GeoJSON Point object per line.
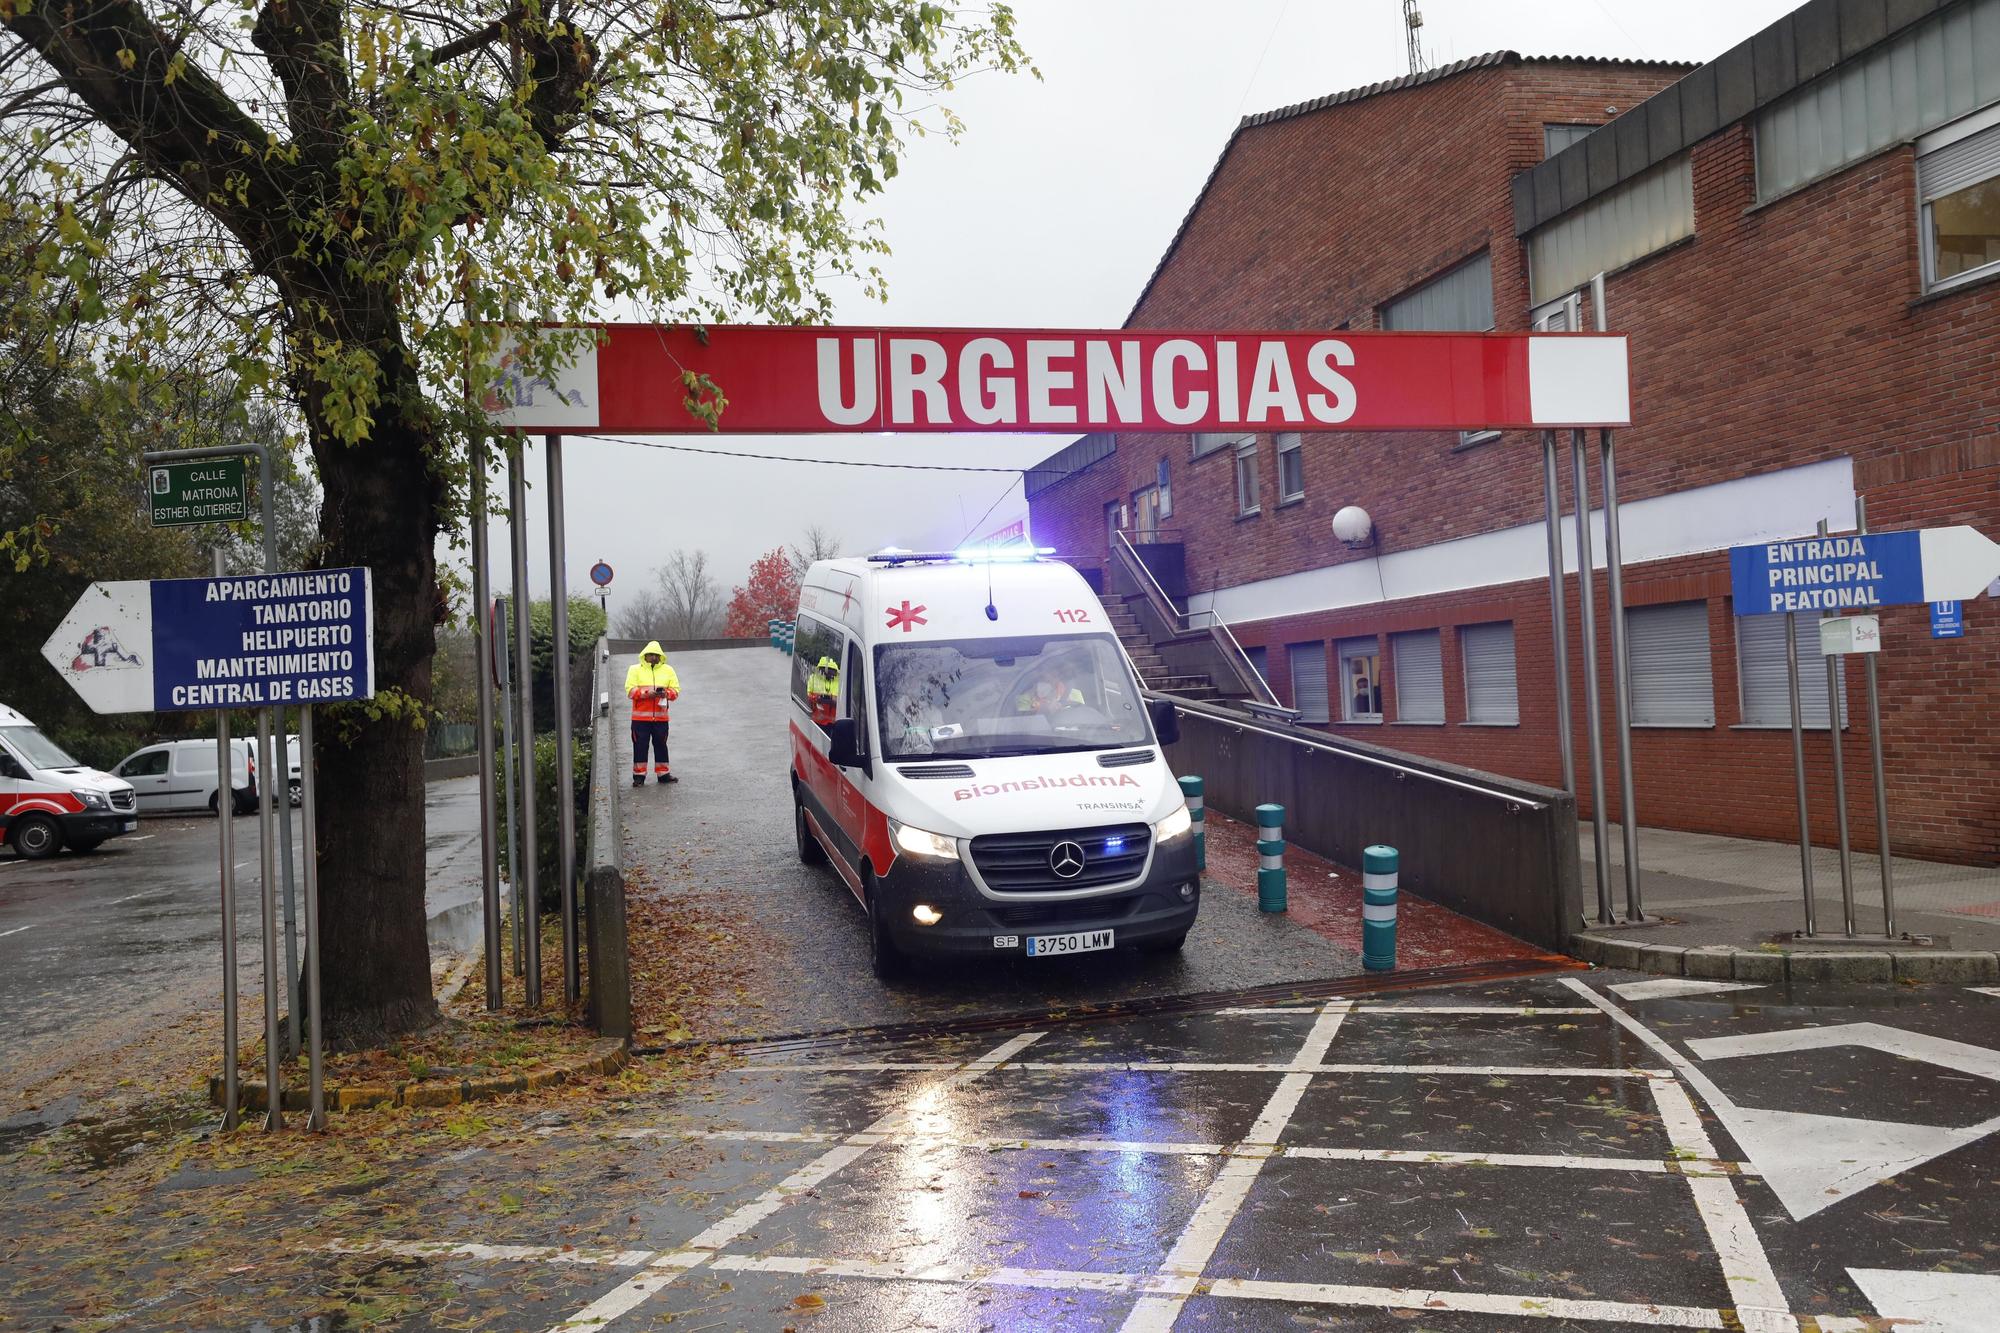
{"type": "Point", "coordinates": [1802, 239]}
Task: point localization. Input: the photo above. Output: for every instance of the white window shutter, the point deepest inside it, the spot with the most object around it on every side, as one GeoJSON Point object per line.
{"type": "Point", "coordinates": [1309, 696]}
{"type": "Point", "coordinates": [1419, 676]}
{"type": "Point", "coordinates": [1672, 683]}
{"type": "Point", "coordinates": [1760, 670]}
{"type": "Point", "coordinates": [1492, 691]}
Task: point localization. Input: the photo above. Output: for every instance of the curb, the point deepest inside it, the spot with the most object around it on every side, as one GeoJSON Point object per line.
{"type": "Point", "coordinates": [605, 1057]}
{"type": "Point", "coordinates": [1724, 962]}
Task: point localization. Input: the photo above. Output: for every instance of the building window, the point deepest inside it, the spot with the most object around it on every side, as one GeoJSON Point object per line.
{"type": "Point", "coordinates": [1165, 483]}
{"type": "Point", "coordinates": [1360, 681]}
{"type": "Point", "coordinates": [1672, 685]}
{"type": "Point", "coordinates": [1248, 501]}
{"type": "Point", "coordinates": [1761, 682]}
{"type": "Point", "coordinates": [1207, 442]}
{"type": "Point", "coordinates": [1291, 467]}
{"type": "Point", "coordinates": [1460, 299]}
{"type": "Point", "coordinates": [1308, 664]}
{"type": "Point", "coordinates": [1624, 224]}
{"type": "Point", "coordinates": [1555, 138]}
{"type": "Point", "coordinates": [1419, 658]}
{"type": "Point", "coordinates": [1491, 694]}
{"type": "Point", "coordinates": [1260, 661]}
{"type": "Point", "coordinates": [1958, 184]}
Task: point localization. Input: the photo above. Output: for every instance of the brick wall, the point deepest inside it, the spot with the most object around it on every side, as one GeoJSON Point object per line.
{"type": "Point", "coordinates": [1782, 334]}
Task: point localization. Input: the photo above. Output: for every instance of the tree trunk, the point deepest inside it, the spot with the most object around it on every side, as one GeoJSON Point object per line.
{"type": "Point", "coordinates": [381, 511]}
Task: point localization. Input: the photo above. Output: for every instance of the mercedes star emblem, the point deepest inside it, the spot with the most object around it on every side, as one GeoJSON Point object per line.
{"type": "Point", "coordinates": [1066, 859]}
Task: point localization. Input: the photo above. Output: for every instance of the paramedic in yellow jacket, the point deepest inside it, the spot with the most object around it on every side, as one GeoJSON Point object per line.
{"type": "Point", "coordinates": [651, 685]}
{"type": "Point", "coordinates": [823, 691]}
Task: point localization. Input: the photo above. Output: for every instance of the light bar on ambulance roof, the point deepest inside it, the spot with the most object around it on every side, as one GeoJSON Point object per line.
{"type": "Point", "coordinates": [964, 555]}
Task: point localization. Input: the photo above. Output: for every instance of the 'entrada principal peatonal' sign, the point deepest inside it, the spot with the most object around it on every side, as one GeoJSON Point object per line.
{"type": "Point", "coordinates": [1858, 572]}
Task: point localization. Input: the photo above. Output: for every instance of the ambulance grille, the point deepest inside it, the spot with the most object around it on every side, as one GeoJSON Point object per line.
{"type": "Point", "coordinates": [1019, 862]}
{"type": "Point", "coordinates": [1041, 916]}
{"type": "Point", "coordinates": [936, 771]}
{"type": "Point", "coordinates": [125, 801]}
{"type": "Point", "coordinates": [1125, 759]}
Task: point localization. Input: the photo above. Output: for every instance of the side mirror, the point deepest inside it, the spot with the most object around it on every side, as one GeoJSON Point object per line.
{"type": "Point", "coordinates": [10, 769]}
{"type": "Point", "coordinates": [1166, 721]}
{"type": "Point", "coordinates": [843, 746]}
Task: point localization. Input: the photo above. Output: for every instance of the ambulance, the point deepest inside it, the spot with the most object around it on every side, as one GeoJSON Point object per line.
{"type": "Point", "coordinates": [972, 754]}
{"type": "Point", "coordinates": [48, 801]}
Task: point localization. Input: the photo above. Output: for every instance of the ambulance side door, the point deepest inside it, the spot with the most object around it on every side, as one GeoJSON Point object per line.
{"type": "Point", "coordinates": [853, 807]}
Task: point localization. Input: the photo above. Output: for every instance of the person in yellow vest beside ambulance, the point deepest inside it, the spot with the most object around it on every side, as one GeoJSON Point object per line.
{"type": "Point", "coordinates": [651, 685]}
{"type": "Point", "coordinates": [823, 691]}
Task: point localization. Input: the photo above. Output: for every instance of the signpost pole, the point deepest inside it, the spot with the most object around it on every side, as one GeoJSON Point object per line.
{"type": "Point", "coordinates": [225, 812]}
{"type": "Point", "coordinates": [482, 634]}
{"type": "Point", "coordinates": [1875, 760]}
{"type": "Point", "coordinates": [1558, 618]}
{"type": "Point", "coordinates": [1833, 712]}
{"type": "Point", "coordinates": [1799, 765]}
{"type": "Point", "coordinates": [501, 645]}
{"type": "Point", "coordinates": [1591, 712]}
{"type": "Point", "coordinates": [524, 694]}
{"type": "Point", "coordinates": [274, 1116]}
{"type": "Point", "coordinates": [565, 742]}
{"type": "Point", "coordinates": [1621, 673]}
{"type": "Point", "coordinates": [273, 776]}
{"type": "Point", "coordinates": [309, 805]}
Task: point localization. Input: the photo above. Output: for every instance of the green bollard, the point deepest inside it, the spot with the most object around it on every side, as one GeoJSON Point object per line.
{"type": "Point", "coordinates": [1191, 788]}
{"type": "Point", "coordinates": [1379, 871]}
{"type": "Point", "coordinates": [1271, 858]}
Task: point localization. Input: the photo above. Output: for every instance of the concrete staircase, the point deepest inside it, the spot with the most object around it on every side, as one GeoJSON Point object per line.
{"type": "Point", "coordinates": [1154, 673]}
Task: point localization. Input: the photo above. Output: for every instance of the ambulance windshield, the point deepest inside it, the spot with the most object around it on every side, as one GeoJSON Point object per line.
{"type": "Point", "coordinates": [986, 698]}
{"type": "Point", "coordinates": [38, 749]}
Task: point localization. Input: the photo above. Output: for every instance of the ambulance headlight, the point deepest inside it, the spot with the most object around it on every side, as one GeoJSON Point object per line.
{"type": "Point", "coordinates": [1174, 827]}
{"type": "Point", "coordinates": [923, 843]}
{"type": "Point", "coordinates": [94, 800]}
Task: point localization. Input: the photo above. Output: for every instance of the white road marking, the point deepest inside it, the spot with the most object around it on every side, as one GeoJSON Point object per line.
{"type": "Point", "coordinates": [1503, 1010]}
{"type": "Point", "coordinates": [1186, 1067]}
{"type": "Point", "coordinates": [1258, 1011]}
{"type": "Point", "coordinates": [1962, 1056]}
{"type": "Point", "coordinates": [665, 1268]}
{"type": "Point", "coordinates": [1937, 1302]}
{"type": "Point", "coordinates": [144, 893]}
{"type": "Point", "coordinates": [1469, 1302]}
{"type": "Point", "coordinates": [1994, 991]}
{"type": "Point", "coordinates": [964, 1274]}
{"type": "Point", "coordinates": [549, 1254]}
{"type": "Point", "coordinates": [1664, 988]}
{"type": "Point", "coordinates": [1412, 1157]}
{"type": "Point", "coordinates": [18, 929]}
{"type": "Point", "coordinates": [1225, 1194]}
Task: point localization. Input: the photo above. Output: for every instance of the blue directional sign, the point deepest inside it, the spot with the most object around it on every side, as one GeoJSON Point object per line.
{"type": "Point", "coordinates": [1947, 620]}
{"type": "Point", "coordinates": [181, 645]}
{"type": "Point", "coordinates": [1856, 572]}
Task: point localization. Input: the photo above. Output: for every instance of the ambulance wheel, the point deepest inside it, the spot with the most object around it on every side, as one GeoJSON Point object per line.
{"type": "Point", "coordinates": [810, 852]}
{"type": "Point", "coordinates": [36, 837]}
{"type": "Point", "coordinates": [884, 958]}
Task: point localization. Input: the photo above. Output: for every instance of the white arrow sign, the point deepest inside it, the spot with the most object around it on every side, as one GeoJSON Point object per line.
{"type": "Point", "coordinates": [1958, 563]}
{"type": "Point", "coordinates": [104, 647]}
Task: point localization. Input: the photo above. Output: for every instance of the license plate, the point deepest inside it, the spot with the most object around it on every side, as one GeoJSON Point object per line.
{"type": "Point", "coordinates": [1082, 941]}
{"type": "Point", "coordinates": [129, 826]}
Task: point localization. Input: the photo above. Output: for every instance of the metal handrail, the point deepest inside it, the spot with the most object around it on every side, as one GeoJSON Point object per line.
{"type": "Point", "coordinates": [1217, 622]}
{"type": "Point", "coordinates": [1183, 620]}
{"type": "Point", "coordinates": [1166, 603]}
{"type": "Point", "coordinates": [1220, 715]}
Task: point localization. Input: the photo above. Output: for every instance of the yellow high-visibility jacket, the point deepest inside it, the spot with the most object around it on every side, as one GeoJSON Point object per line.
{"type": "Point", "coordinates": [651, 688]}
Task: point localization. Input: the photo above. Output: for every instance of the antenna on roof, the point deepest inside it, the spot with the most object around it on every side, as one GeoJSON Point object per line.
{"type": "Point", "coordinates": [1413, 23]}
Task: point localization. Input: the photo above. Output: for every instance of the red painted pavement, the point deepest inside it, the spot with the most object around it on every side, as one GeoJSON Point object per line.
{"type": "Point", "coordinates": [1326, 898]}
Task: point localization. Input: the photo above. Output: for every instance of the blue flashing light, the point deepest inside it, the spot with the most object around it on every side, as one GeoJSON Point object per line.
{"type": "Point", "coordinates": [1114, 845]}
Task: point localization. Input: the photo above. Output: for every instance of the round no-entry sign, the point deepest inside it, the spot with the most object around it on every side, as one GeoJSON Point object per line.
{"type": "Point", "coordinates": [600, 574]}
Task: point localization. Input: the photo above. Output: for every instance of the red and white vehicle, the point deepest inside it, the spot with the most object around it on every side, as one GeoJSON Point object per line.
{"type": "Point", "coordinates": [48, 801]}
{"type": "Point", "coordinates": [972, 752]}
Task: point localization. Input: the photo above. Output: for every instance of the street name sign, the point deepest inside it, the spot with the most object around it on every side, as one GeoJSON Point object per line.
{"type": "Point", "coordinates": [1858, 572]}
{"type": "Point", "coordinates": [189, 645]}
{"type": "Point", "coordinates": [637, 378]}
{"type": "Point", "coordinates": [1948, 620]}
{"type": "Point", "coordinates": [208, 490]}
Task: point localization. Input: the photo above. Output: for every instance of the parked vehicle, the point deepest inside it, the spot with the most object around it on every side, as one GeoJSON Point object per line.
{"type": "Point", "coordinates": [972, 753]}
{"type": "Point", "coordinates": [177, 776]}
{"type": "Point", "coordinates": [49, 801]}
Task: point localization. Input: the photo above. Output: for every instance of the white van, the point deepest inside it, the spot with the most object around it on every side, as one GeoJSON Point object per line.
{"type": "Point", "coordinates": [178, 776]}
{"type": "Point", "coordinates": [971, 751]}
{"type": "Point", "coordinates": [48, 801]}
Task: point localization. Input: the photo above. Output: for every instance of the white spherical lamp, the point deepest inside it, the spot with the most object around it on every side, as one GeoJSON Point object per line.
{"type": "Point", "coordinates": [1353, 526]}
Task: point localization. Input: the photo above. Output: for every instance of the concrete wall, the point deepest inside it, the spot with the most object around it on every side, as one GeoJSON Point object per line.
{"type": "Point", "coordinates": [608, 977]}
{"type": "Point", "coordinates": [1505, 854]}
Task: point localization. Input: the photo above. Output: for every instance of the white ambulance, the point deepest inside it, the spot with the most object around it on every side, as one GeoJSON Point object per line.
{"type": "Point", "coordinates": [972, 753]}
{"type": "Point", "coordinates": [48, 801]}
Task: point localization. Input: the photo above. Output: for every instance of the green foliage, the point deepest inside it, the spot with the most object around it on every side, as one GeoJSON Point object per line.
{"type": "Point", "coordinates": [586, 627]}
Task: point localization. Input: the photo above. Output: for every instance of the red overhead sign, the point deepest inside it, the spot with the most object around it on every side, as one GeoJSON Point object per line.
{"type": "Point", "coordinates": [788, 379]}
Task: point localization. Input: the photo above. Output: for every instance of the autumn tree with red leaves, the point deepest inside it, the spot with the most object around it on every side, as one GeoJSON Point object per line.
{"type": "Point", "coordinates": [772, 593]}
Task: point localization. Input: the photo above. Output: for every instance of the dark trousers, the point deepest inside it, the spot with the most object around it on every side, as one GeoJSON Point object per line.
{"type": "Point", "coordinates": [654, 733]}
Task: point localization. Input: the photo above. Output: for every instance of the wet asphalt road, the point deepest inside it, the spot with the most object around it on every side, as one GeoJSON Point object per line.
{"type": "Point", "coordinates": [95, 945]}
{"type": "Point", "coordinates": [1572, 1151]}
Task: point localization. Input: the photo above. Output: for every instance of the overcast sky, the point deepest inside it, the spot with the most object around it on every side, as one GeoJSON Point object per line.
{"type": "Point", "coordinates": [1051, 212]}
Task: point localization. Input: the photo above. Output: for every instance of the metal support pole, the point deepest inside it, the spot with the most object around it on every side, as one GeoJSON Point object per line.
{"type": "Point", "coordinates": [524, 695]}
{"type": "Point", "coordinates": [309, 806]}
{"type": "Point", "coordinates": [1558, 616]}
{"type": "Point", "coordinates": [501, 648]}
{"type": "Point", "coordinates": [1621, 689]}
{"type": "Point", "coordinates": [1799, 765]}
{"type": "Point", "coordinates": [274, 1093]}
{"type": "Point", "coordinates": [1875, 761]}
{"type": "Point", "coordinates": [565, 741]}
{"type": "Point", "coordinates": [1591, 712]}
{"type": "Point", "coordinates": [482, 633]}
{"type": "Point", "coordinates": [1839, 780]}
{"type": "Point", "coordinates": [282, 772]}
{"type": "Point", "coordinates": [225, 812]}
